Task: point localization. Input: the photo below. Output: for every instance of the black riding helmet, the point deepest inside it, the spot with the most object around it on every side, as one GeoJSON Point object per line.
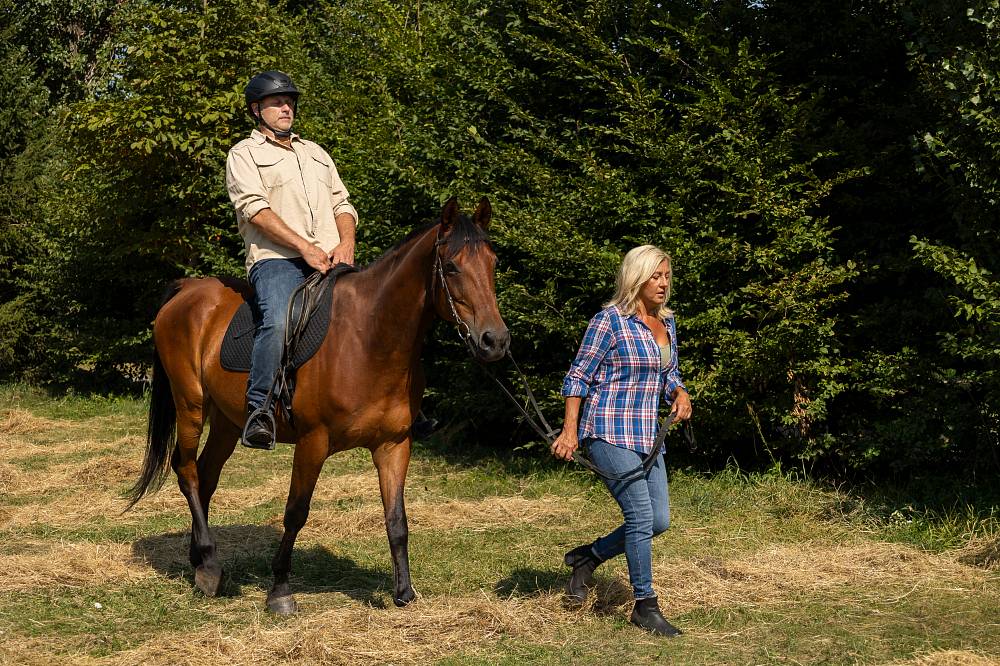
{"type": "Point", "coordinates": [266, 84]}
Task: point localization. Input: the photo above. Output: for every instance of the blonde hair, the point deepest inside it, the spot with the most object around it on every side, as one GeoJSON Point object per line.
{"type": "Point", "coordinates": [638, 266]}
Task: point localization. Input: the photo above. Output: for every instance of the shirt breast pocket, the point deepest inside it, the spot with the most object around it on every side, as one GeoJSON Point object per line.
{"type": "Point", "coordinates": [275, 172]}
{"type": "Point", "coordinates": [319, 195]}
{"type": "Point", "coordinates": [322, 170]}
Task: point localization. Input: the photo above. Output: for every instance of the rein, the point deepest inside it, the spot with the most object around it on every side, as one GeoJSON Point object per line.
{"type": "Point", "coordinates": [537, 420]}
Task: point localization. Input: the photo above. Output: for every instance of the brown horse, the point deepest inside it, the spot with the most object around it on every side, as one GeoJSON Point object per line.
{"type": "Point", "coordinates": [361, 389]}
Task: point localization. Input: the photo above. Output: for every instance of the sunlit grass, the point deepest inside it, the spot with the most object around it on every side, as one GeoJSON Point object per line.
{"type": "Point", "coordinates": [756, 568]}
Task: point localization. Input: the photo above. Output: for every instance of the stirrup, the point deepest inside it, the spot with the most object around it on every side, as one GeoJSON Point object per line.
{"type": "Point", "coordinates": [260, 423]}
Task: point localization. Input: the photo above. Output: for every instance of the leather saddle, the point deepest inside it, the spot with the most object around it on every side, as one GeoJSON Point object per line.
{"type": "Point", "coordinates": [237, 344]}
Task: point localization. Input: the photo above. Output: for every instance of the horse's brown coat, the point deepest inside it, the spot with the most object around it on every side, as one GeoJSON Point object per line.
{"type": "Point", "coordinates": [361, 389]}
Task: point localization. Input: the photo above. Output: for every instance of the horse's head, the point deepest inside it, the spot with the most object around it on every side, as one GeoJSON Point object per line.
{"type": "Point", "coordinates": [464, 280]}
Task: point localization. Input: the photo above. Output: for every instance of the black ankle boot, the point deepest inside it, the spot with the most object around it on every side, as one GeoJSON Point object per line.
{"type": "Point", "coordinates": [258, 434]}
{"type": "Point", "coordinates": [647, 615]}
{"type": "Point", "coordinates": [583, 561]}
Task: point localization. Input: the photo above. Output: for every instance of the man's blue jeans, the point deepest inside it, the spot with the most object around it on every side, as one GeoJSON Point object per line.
{"type": "Point", "coordinates": [645, 504]}
{"type": "Point", "coordinates": [273, 281]}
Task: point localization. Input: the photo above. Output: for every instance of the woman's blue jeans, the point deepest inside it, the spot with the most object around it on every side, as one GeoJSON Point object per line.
{"type": "Point", "coordinates": [645, 506]}
{"type": "Point", "coordinates": [274, 281]}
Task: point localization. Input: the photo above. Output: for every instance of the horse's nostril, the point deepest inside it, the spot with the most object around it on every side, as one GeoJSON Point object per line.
{"type": "Point", "coordinates": [487, 341]}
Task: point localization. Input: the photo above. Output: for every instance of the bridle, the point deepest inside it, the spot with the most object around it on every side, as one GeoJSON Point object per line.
{"type": "Point", "coordinates": [537, 420]}
{"type": "Point", "coordinates": [461, 326]}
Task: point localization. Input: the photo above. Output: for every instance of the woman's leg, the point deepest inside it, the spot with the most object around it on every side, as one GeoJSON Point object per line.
{"type": "Point", "coordinates": [643, 502]}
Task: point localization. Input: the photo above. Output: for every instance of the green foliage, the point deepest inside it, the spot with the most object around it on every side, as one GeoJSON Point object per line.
{"type": "Point", "coordinates": [824, 177]}
{"type": "Point", "coordinates": [590, 143]}
{"type": "Point", "coordinates": [155, 139]}
{"type": "Point", "coordinates": [962, 82]}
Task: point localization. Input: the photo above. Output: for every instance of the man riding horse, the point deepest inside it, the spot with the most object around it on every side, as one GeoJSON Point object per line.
{"type": "Point", "coordinates": [295, 218]}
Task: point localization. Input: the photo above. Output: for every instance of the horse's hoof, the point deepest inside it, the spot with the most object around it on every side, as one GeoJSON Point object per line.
{"type": "Point", "coordinates": [284, 605]}
{"type": "Point", "coordinates": [208, 578]}
{"type": "Point", "coordinates": [405, 598]}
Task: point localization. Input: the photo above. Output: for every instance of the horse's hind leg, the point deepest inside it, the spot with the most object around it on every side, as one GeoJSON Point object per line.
{"type": "Point", "coordinates": [310, 453]}
{"type": "Point", "coordinates": [392, 461]}
{"type": "Point", "coordinates": [190, 420]}
{"type": "Point", "coordinates": [222, 438]}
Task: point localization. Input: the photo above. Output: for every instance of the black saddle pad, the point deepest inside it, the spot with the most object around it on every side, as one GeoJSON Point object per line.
{"type": "Point", "coordinates": [237, 345]}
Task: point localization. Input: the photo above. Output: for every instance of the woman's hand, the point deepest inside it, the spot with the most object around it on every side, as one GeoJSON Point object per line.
{"type": "Point", "coordinates": [681, 409]}
{"type": "Point", "coordinates": [566, 443]}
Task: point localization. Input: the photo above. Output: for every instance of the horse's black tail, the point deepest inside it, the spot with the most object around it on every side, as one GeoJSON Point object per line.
{"type": "Point", "coordinates": [162, 425]}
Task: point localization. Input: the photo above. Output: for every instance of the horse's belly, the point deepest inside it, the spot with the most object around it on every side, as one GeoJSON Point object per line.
{"type": "Point", "coordinates": [373, 427]}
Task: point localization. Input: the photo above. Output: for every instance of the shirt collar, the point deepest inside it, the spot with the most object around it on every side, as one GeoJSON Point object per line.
{"type": "Point", "coordinates": [261, 138]}
{"type": "Point", "coordinates": [635, 317]}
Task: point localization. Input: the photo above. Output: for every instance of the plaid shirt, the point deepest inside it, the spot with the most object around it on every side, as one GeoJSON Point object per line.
{"type": "Point", "coordinates": [617, 373]}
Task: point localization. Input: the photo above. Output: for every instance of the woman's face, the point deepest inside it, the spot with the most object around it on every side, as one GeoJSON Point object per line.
{"type": "Point", "coordinates": [654, 291]}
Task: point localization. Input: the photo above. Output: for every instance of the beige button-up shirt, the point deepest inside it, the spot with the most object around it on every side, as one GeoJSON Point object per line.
{"type": "Point", "coordinates": [300, 184]}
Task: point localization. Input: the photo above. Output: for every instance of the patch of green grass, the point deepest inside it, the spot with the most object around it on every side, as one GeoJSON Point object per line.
{"type": "Point", "coordinates": [43, 461]}
{"type": "Point", "coordinates": [70, 406]}
{"type": "Point", "coordinates": [110, 528]}
{"type": "Point", "coordinates": [101, 621]}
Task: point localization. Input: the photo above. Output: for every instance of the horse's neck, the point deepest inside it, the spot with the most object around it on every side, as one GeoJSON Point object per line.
{"type": "Point", "coordinates": [397, 293]}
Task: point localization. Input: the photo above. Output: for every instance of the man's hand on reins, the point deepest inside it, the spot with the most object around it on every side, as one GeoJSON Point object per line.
{"type": "Point", "coordinates": [343, 253]}
{"type": "Point", "coordinates": [316, 257]}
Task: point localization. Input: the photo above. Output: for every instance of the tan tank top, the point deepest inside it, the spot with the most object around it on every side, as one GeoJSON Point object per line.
{"type": "Point", "coordinates": [664, 355]}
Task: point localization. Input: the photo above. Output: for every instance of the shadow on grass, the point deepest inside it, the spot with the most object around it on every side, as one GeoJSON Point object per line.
{"type": "Point", "coordinates": [245, 552]}
{"type": "Point", "coordinates": [607, 596]}
{"type": "Point", "coordinates": [527, 583]}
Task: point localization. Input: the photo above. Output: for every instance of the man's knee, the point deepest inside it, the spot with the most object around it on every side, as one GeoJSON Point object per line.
{"type": "Point", "coordinates": [274, 324]}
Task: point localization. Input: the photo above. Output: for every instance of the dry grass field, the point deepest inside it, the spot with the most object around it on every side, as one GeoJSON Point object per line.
{"type": "Point", "coordinates": [755, 569]}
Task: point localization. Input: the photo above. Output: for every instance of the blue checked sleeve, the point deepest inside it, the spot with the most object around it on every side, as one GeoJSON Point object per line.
{"type": "Point", "coordinates": [672, 373]}
{"type": "Point", "coordinates": [597, 342]}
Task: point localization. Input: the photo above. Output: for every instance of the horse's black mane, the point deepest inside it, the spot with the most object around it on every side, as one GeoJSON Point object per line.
{"type": "Point", "coordinates": [466, 233]}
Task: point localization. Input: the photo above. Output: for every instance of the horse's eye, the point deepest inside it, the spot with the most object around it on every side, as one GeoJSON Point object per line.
{"type": "Point", "coordinates": [451, 269]}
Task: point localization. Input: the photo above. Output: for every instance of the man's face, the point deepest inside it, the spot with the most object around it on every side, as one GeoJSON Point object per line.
{"type": "Point", "coordinates": [278, 111]}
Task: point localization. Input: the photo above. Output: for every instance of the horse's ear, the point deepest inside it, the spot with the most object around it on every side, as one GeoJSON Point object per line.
{"type": "Point", "coordinates": [484, 213]}
{"type": "Point", "coordinates": [449, 214]}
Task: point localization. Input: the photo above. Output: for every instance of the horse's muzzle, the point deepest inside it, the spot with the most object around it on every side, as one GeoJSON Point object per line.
{"type": "Point", "coordinates": [492, 344]}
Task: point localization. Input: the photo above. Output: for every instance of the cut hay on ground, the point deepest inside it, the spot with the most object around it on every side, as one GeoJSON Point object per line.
{"type": "Point", "coordinates": [949, 658]}
{"type": "Point", "coordinates": [422, 633]}
{"type": "Point", "coordinates": [71, 565]}
{"type": "Point", "coordinates": [474, 515]}
{"type": "Point", "coordinates": [983, 553]}
{"type": "Point", "coordinates": [724, 577]}
{"type": "Point", "coordinates": [779, 573]}
{"type": "Point", "coordinates": [19, 421]}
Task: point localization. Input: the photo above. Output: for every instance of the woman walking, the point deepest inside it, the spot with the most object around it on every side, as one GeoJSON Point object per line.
{"type": "Point", "coordinates": [627, 358]}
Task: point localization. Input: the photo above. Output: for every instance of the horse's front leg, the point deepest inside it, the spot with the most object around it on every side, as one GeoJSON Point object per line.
{"type": "Point", "coordinates": [310, 453]}
{"type": "Point", "coordinates": [391, 460]}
